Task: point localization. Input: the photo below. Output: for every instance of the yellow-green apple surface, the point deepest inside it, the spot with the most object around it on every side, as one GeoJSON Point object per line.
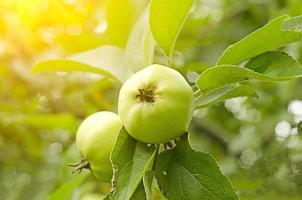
{"type": "Point", "coordinates": [156, 104]}
{"type": "Point", "coordinates": [95, 139]}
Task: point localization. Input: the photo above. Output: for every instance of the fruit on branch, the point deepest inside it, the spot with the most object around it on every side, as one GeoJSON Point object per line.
{"type": "Point", "coordinates": [156, 104]}
{"type": "Point", "coordinates": [95, 139]}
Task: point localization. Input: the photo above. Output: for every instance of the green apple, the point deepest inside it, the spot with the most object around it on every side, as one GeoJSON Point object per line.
{"type": "Point", "coordinates": [156, 104]}
{"type": "Point", "coordinates": [95, 139]}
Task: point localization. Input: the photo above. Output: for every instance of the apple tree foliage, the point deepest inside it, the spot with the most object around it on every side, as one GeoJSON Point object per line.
{"type": "Point", "coordinates": [180, 171]}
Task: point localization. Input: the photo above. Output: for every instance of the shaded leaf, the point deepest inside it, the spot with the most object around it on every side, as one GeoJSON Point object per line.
{"type": "Point", "coordinates": [186, 174]}
{"type": "Point", "coordinates": [148, 180]}
{"type": "Point", "coordinates": [131, 160]}
{"type": "Point", "coordinates": [224, 93]}
{"type": "Point", "coordinates": [269, 37]}
{"type": "Point", "coordinates": [107, 197]}
{"type": "Point", "coordinates": [65, 191]}
{"type": "Point", "coordinates": [270, 66]}
{"type": "Point", "coordinates": [275, 63]}
{"type": "Point", "coordinates": [139, 193]}
{"type": "Point", "coordinates": [197, 67]}
{"type": "Point", "coordinates": [219, 76]}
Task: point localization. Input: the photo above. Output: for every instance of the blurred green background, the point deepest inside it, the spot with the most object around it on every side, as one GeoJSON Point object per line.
{"type": "Point", "coordinates": [255, 141]}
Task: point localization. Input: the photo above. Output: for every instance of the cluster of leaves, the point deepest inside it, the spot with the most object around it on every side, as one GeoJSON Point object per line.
{"type": "Point", "coordinates": [183, 173]}
{"type": "Point", "coordinates": [37, 111]}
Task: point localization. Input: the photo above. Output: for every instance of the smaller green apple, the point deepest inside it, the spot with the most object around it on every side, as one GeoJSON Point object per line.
{"type": "Point", "coordinates": [156, 104]}
{"type": "Point", "coordinates": [95, 139]}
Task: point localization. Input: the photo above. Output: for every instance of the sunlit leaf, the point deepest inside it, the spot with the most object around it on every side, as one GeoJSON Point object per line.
{"type": "Point", "coordinates": [67, 66]}
{"type": "Point", "coordinates": [79, 43]}
{"type": "Point", "coordinates": [121, 15]}
{"type": "Point", "coordinates": [295, 23]}
{"type": "Point", "coordinates": [167, 18]}
{"type": "Point", "coordinates": [269, 37]}
{"type": "Point", "coordinates": [140, 47]}
{"type": "Point", "coordinates": [105, 60]}
{"type": "Point", "coordinates": [51, 121]}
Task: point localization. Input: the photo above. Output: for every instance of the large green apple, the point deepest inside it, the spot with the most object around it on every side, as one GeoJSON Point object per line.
{"type": "Point", "coordinates": [156, 104]}
{"type": "Point", "coordinates": [95, 139]}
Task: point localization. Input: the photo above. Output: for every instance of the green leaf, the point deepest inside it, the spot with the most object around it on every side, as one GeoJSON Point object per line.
{"type": "Point", "coordinates": [43, 120]}
{"type": "Point", "coordinates": [78, 43]}
{"type": "Point", "coordinates": [67, 66]}
{"type": "Point", "coordinates": [197, 67]}
{"type": "Point", "coordinates": [140, 47]}
{"type": "Point", "coordinates": [186, 174]}
{"type": "Point", "coordinates": [270, 66]}
{"type": "Point", "coordinates": [147, 181]}
{"type": "Point", "coordinates": [107, 197]}
{"type": "Point", "coordinates": [105, 60]}
{"type": "Point", "coordinates": [139, 193]}
{"type": "Point", "coordinates": [65, 191]}
{"type": "Point", "coordinates": [51, 121]}
{"type": "Point", "coordinates": [295, 23]}
{"type": "Point", "coordinates": [269, 37]}
{"type": "Point", "coordinates": [224, 93]}
{"type": "Point", "coordinates": [167, 18]}
{"type": "Point", "coordinates": [219, 76]}
{"type": "Point", "coordinates": [278, 64]}
{"type": "Point", "coordinates": [121, 15]}
{"type": "Point", "coordinates": [131, 160]}
{"type": "Point", "coordinates": [158, 193]}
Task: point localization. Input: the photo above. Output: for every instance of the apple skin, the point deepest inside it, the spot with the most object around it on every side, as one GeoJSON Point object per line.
{"type": "Point", "coordinates": [95, 139]}
{"type": "Point", "coordinates": [156, 104]}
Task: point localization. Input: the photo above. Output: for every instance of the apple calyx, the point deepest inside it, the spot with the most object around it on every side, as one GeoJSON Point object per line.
{"type": "Point", "coordinates": [146, 94]}
{"type": "Point", "coordinates": [83, 164]}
